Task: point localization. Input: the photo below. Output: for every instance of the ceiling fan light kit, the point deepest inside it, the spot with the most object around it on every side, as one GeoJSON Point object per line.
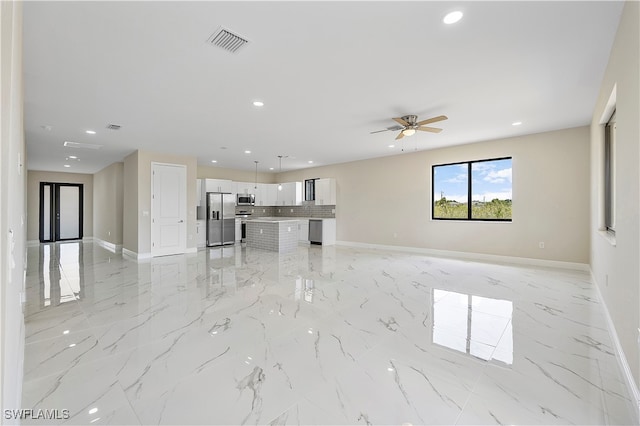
{"type": "Point", "coordinates": [409, 125]}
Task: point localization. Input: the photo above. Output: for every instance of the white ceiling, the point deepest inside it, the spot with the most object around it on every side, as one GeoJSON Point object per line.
{"type": "Point", "coordinates": [329, 73]}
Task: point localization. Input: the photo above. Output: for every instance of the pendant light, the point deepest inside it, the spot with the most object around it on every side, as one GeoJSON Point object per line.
{"type": "Point", "coordinates": [280, 185]}
{"type": "Point", "coordinates": [256, 185]}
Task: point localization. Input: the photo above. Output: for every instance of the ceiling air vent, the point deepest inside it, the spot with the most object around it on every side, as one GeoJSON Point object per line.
{"type": "Point", "coordinates": [81, 145]}
{"type": "Point", "coordinates": [113, 126]}
{"type": "Point", "coordinates": [227, 40]}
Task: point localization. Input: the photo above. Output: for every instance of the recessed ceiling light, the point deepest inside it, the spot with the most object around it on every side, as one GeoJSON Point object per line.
{"type": "Point", "coordinates": [247, 152]}
{"type": "Point", "coordinates": [73, 157]}
{"type": "Point", "coordinates": [258, 103]}
{"type": "Point", "coordinates": [516, 123]}
{"type": "Point", "coordinates": [452, 17]}
{"type": "Point", "coordinates": [90, 132]}
{"type": "Point", "coordinates": [66, 165]}
{"type": "Point", "coordinates": [392, 146]}
{"type": "Point", "coordinates": [310, 162]}
{"type": "Point", "coordinates": [214, 161]}
{"type": "Point", "coordinates": [270, 168]}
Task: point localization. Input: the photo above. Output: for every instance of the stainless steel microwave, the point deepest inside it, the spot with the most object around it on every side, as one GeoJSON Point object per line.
{"type": "Point", "coordinates": [245, 200]}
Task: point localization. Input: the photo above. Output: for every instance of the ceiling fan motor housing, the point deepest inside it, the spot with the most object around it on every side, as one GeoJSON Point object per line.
{"type": "Point", "coordinates": [411, 119]}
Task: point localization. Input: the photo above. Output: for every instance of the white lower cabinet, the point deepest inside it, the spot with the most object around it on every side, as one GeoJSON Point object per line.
{"type": "Point", "coordinates": [238, 230]}
{"type": "Point", "coordinates": [201, 233]}
{"type": "Point", "coordinates": [303, 230]}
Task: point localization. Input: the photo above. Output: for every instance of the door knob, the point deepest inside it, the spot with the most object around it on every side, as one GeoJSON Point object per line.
{"type": "Point", "coordinates": [181, 221]}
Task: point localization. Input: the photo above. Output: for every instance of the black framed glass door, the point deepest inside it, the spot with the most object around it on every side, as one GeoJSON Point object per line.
{"type": "Point", "coordinates": [61, 211]}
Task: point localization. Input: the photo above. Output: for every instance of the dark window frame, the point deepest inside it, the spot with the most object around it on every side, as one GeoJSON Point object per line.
{"type": "Point", "coordinates": [469, 217]}
{"type": "Point", "coordinates": [609, 173]}
{"type": "Point", "coordinates": [310, 186]}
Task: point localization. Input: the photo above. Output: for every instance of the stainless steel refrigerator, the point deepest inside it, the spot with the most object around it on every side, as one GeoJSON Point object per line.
{"type": "Point", "coordinates": [221, 218]}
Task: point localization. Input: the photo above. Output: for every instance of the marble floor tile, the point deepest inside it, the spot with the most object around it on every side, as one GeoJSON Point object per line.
{"type": "Point", "coordinates": [324, 335]}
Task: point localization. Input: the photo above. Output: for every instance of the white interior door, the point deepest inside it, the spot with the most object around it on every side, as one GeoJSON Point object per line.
{"type": "Point", "coordinates": [168, 209]}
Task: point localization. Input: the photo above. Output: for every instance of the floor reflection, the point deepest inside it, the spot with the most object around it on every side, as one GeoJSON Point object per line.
{"type": "Point", "coordinates": [304, 289]}
{"type": "Point", "coordinates": [473, 325]}
{"type": "Point", "coordinates": [61, 273]}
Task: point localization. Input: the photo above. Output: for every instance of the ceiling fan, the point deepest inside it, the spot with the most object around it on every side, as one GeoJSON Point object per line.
{"type": "Point", "coordinates": [409, 125]}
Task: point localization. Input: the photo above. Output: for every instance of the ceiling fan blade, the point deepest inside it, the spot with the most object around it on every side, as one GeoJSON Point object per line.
{"type": "Point", "coordinates": [400, 136]}
{"type": "Point", "coordinates": [378, 131]}
{"type": "Point", "coordinates": [432, 120]}
{"type": "Point", "coordinates": [401, 121]}
{"type": "Point", "coordinates": [430, 129]}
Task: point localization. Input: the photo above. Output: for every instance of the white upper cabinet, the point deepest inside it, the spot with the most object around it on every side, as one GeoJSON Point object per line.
{"type": "Point", "coordinates": [291, 194]}
{"type": "Point", "coordinates": [246, 188]}
{"type": "Point", "coordinates": [325, 191]}
{"type": "Point", "coordinates": [267, 194]}
{"type": "Point", "coordinates": [198, 192]}
{"type": "Point", "coordinates": [220, 185]}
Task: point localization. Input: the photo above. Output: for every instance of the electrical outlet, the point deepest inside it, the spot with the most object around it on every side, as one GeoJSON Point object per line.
{"type": "Point", "coordinates": [288, 229]}
{"type": "Point", "coordinates": [263, 210]}
{"type": "Point", "coordinates": [541, 244]}
{"type": "Point", "coordinates": [291, 210]}
{"type": "Point", "coordinates": [261, 231]}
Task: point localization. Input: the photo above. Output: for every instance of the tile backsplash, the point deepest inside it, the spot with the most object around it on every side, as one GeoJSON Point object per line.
{"type": "Point", "coordinates": [307, 210]}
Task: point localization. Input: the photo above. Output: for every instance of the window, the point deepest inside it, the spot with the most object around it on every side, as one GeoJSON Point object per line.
{"type": "Point", "coordinates": [310, 189]}
{"type": "Point", "coordinates": [472, 190]}
{"type": "Point", "coordinates": [609, 174]}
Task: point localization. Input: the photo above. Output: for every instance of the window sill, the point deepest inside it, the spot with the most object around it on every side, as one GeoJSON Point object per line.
{"type": "Point", "coordinates": [610, 237]}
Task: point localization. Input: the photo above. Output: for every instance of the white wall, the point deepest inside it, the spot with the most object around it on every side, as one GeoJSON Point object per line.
{"type": "Point", "coordinates": [383, 197]}
{"type": "Point", "coordinates": [12, 206]}
{"type": "Point", "coordinates": [130, 203]}
{"type": "Point", "coordinates": [210, 172]}
{"type": "Point", "coordinates": [107, 203]}
{"type": "Point", "coordinates": [616, 267]}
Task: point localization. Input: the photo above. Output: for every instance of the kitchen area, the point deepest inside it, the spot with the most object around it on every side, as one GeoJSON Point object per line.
{"type": "Point", "coordinates": [274, 217]}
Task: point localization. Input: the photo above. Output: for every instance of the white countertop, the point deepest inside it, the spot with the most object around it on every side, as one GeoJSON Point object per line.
{"type": "Point", "coordinates": [286, 219]}
{"type": "Point", "coordinates": [272, 219]}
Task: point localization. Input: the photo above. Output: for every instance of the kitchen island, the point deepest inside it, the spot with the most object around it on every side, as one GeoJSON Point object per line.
{"type": "Point", "coordinates": [273, 233]}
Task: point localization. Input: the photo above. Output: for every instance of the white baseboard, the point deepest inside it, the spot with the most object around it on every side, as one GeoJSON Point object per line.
{"type": "Point", "coordinates": [191, 250]}
{"type": "Point", "coordinates": [115, 248]}
{"type": "Point", "coordinates": [33, 243]}
{"type": "Point", "coordinates": [622, 359]}
{"type": "Point", "coordinates": [492, 258]}
{"type": "Point", "coordinates": [134, 255]}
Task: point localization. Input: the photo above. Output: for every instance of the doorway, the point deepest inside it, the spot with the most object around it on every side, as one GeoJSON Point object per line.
{"type": "Point", "coordinates": [61, 211]}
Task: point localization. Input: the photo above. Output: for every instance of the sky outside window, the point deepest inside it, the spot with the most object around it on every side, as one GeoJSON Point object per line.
{"type": "Point", "coordinates": [491, 179]}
